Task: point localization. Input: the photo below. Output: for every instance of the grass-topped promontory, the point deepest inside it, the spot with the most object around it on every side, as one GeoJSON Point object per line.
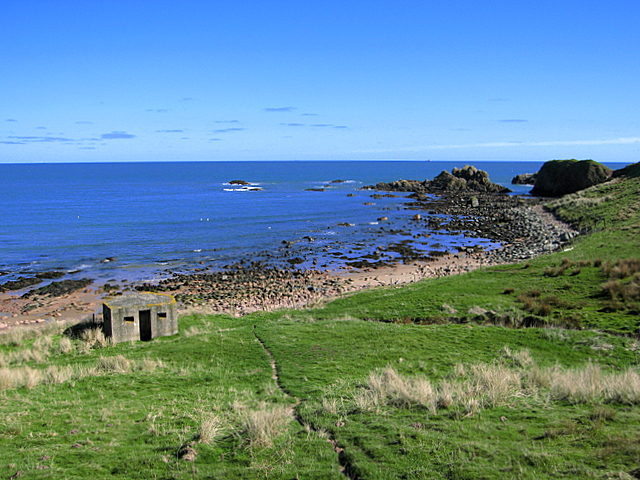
{"type": "Point", "coordinates": [522, 371]}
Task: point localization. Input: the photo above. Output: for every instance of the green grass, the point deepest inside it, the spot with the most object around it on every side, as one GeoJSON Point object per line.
{"type": "Point", "coordinates": [437, 379]}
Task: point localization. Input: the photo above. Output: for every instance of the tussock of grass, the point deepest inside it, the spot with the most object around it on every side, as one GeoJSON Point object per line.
{"type": "Point", "coordinates": [212, 427]}
{"type": "Point", "coordinates": [261, 427]}
{"type": "Point", "coordinates": [65, 345]}
{"type": "Point", "coordinates": [116, 364]}
{"type": "Point", "coordinates": [518, 358]}
{"type": "Point", "coordinates": [565, 265]}
{"type": "Point", "coordinates": [390, 388]}
{"type": "Point", "coordinates": [94, 338]}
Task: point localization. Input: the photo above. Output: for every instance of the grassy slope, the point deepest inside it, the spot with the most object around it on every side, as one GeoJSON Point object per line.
{"type": "Point", "coordinates": [135, 423]}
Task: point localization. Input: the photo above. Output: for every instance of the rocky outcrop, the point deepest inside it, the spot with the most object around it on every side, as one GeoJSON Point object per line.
{"type": "Point", "coordinates": [239, 182]}
{"type": "Point", "coordinates": [400, 186]}
{"type": "Point", "coordinates": [560, 177]}
{"type": "Point", "coordinates": [525, 179]}
{"type": "Point", "coordinates": [465, 179]}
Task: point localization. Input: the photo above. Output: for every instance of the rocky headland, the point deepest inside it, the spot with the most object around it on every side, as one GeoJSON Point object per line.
{"type": "Point", "coordinates": [560, 177]}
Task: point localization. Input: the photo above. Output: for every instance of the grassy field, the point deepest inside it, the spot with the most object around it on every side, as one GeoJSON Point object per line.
{"type": "Point", "coordinates": [526, 371]}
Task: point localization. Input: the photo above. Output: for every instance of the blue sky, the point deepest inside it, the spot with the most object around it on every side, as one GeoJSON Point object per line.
{"type": "Point", "coordinates": [92, 80]}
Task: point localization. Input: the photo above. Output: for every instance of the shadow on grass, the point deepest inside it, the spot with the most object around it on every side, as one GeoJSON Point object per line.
{"type": "Point", "coordinates": [90, 322]}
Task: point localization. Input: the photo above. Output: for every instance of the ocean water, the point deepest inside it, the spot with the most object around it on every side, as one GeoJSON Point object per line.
{"type": "Point", "coordinates": [152, 218]}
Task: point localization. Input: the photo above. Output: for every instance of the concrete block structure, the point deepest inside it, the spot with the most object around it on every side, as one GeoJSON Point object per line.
{"type": "Point", "coordinates": [141, 316]}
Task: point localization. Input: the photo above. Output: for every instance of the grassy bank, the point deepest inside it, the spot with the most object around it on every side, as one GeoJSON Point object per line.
{"type": "Point", "coordinates": [520, 371]}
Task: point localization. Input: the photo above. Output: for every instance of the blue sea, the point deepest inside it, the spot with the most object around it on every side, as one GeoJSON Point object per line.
{"type": "Point", "coordinates": [150, 219]}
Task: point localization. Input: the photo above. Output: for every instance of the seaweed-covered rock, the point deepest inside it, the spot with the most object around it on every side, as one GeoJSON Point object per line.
{"type": "Point", "coordinates": [58, 289]}
{"type": "Point", "coordinates": [560, 177]}
{"type": "Point", "coordinates": [19, 284]}
{"type": "Point", "coordinates": [50, 275]}
{"type": "Point", "coordinates": [400, 186]}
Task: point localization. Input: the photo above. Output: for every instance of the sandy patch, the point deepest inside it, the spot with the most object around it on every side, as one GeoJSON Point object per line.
{"type": "Point", "coordinates": [18, 311]}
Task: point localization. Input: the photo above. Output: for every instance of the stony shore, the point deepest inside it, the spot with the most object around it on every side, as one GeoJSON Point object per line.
{"type": "Point", "coordinates": [519, 224]}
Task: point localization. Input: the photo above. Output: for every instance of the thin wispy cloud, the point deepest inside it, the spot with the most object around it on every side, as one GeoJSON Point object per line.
{"type": "Point", "coordinates": [169, 131]}
{"type": "Point", "coordinates": [116, 136]}
{"type": "Point", "coordinates": [41, 128]}
{"type": "Point", "coordinates": [279, 109]}
{"type": "Point", "coordinates": [186, 99]}
{"type": "Point", "coordinates": [9, 142]}
{"type": "Point", "coordinates": [323, 125]}
{"type": "Point", "coordinates": [516, 143]}
{"type": "Point", "coordinates": [11, 120]}
{"type": "Point", "coordinates": [309, 114]}
{"type": "Point", "coordinates": [557, 143]}
{"type": "Point", "coordinates": [293, 124]}
{"type": "Point", "coordinates": [340, 126]}
{"type": "Point", "coordinates": [227, 121]}
{"type": "Point", "coordinates": [34, 139]}
{"type": "Point", "coordinates": [232, 129]}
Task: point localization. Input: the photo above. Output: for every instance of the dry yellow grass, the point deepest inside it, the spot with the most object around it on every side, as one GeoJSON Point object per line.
{"type": "Point", "coordinates": [479, 386]}
{"type": "Point", "coordinates": [262, 426]}
{"type": "Point", "coordinates": [592, 384]}
{"type": "Point", "coordinates": [20, 377]}
{"type": "Point", "coordinates": [94, 338]}
{"type": "Point", "coordinates": [65, 345]}
{"type": "Point", "coordinates": [212, 427]}
{"type": "Point", "coordinates": [117, 364]}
